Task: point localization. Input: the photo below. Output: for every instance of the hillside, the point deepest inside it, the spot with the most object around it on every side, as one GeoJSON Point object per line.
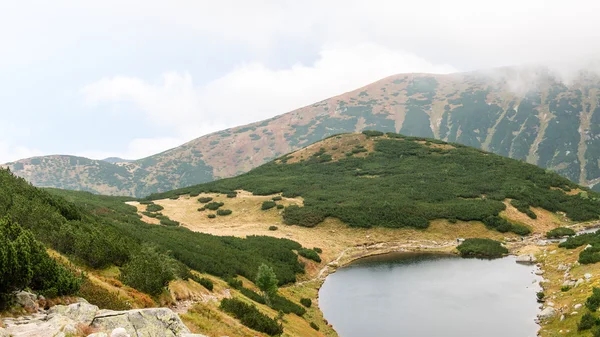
{"type": "Point", "coordinates": [524, 114]}
{"type": "Point", "coordinates": [390, 180]}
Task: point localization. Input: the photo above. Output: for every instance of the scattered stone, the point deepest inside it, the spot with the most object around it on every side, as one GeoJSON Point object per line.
{"type": "Point", "coordinates": [587, 276]}
{"type": "Point", "coordinates": [577, 306]}
{"type": "Point", "coordinates": [547, 313]}
{"type": "Point", "coordinates": [541, 243]}
{"type": "Point", "coordinates": [562, 318]}
{"type": "Point", "coordinates": [569, 283]}
{"type": "Point", "coordinates": [587, 247]}
{"type": "Point", "coordinates": [562, 267]}
{"type": "Point", "coordinates": [98, 334]}
{"type": "Point", "coordinates": [119, 332]}
{"type": "Point", "coordinates": [579, 282]}
{"type": "Point", "coordinates": [539, 272]}
{"type": "Point", "coordinates": [553, 252]}
{"type": "Point", "coordinates": [526, 258]}
{"type": "Point", "coordinates": [142, 322]}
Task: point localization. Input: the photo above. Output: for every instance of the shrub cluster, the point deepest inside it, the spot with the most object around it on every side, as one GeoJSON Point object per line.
{"type": "Point", "coordinates": [280, 207]}
{"type": "Point", "coordinates": [154, 208]}
{"type": "Point", "coordinates": [372, 133]}
{"type": "Point", "coordinates": [309, 254]}
{"type": "Point", "coordinates": [213, 206]}
{"type": "Point", "coordinates": [587, 322]}
{"type": "Point", "coordinates": [212, 216]}
{"type": "Point", "coordinates": [224, 212]}
{"type": "Point", "coordinates": [481, 248]}
{"type": "Point", "coordinates": [560, 232]}
{"type": "Point", "coordinates": [231, 194]}
{"type": "Point", "coordinates": [276, 198]}
{"type": "Point", "coordinates": [251, 317]}
{"type": "Point", "coordinates": [204, 200]}
{"type": "Point", "coordinates": [307, 302]}
{"type": "Point", "coordinates": [593, 302]}
{"type": "Point", "coordinates": [267, 205]}
{"type": "Point", "coordinates": [272, 228]}
{"type": "Point", "coordinates": [203, 281]}
{"type": "Point", "coordinates": [523, 207]}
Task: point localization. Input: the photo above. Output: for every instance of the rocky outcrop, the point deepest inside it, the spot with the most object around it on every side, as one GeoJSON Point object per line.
{"type": "Point", "coordinates": [547, 313]}
{"type": "Point", "coordinates": [64, 320]}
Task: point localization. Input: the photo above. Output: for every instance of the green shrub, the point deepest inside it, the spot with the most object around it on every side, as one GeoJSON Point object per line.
{"type": "Point", "coordinates": [231, 194]}
{"type": "Point", "coordinates": [251, 317]}
{"type": "Point", "coordinates": [148, 271]}
{"type": "Point", "coordinates": [314, 326]}
{"type": "Point", "coordinates": [318, 250]}
{"type": "Point", "coordinates": [302, 216]}
{"type": "Point", "coordinates": [593, 302]}
{"type": "Point", "coordinates": [203, 281]}
{"type": "Point", "coordinates": [267, 205]}
{"type": "Point", "coordinates": [212, 216]}
{"type": "Point", "coordinates": [174, 197]}
{"type": "Point", "coordinates": [154, 208]}
{"type": "Point", "coordinates": [560, 232]}
{"type": "Point", "coordinates": [523, 207]}
{"type": "Point", "coordinates": [280, 207]}
{"type": "Point", "coordinates": [481, 248]}
{"type": "Point", "coordinates": [194, 194]}
{"type": "Point", "coordinates": [272, 228]}
{"type": "Point", "coordinates": [201, 209]}
{"type": "Point", "coordinates": [151, 215]}
{"type": "Point", "coordinates": [276, 198]}
{"type": "Point", "coordinates": [587, 322]}
{"type": "Point", "coordinates": [234, 283]}
{"type": "Point", "coordinates": [224, 212]}
{"type": "Point", "coordinates": [540, 296]}
{"type": "Point", "coordinates": [565, 288]}
{"type": "Point", "coordinates": [213, 206]}
{"type": "Point", "coordinates": [307, 302]}
{"type": "Point", "coordinates": [309, 254]}
{"type": "Point", "coordinates": [372, 133]}
{"type": "Point", "coordinates": [146, 202]}
{"type": "Point", "coordinates": [169, 222]}
{"type": "Point", "coordinates": [204, 200]}
{"type": "Point", "coordinates": [281, 303]}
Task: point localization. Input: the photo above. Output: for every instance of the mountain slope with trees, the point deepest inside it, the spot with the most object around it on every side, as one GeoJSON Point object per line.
{"type": "Point", "coordinates": [391, 180]}
{"type": "Point", "coordinates": [522, 113]}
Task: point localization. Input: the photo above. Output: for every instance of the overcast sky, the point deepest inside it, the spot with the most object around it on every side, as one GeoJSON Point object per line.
{"type": "Point", "coordinates": [127, 78]}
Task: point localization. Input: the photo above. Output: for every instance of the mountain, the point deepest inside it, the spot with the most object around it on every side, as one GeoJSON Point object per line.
{"type": "Point", "coordinates": [391, 180]}
{"type": "Point", "coordinates": [523, 113]}
{"type": "Point", "coordinates": [114, 160]}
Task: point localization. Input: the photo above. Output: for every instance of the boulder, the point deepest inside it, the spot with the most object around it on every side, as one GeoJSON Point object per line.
{"type": "Point", "coordinates": [562, 267]}
{"type": "Point", "coordinates": [81, 312]}
{"type": "Point", "coordinates": [587, 276]}
{"type": "Point", "coordinates": [27, 300]}
{"type": "Point", "coordinates": [526, 258]}
{"type": "Point", "coordinates": [119, 332]}
{"type": "Point", "coordinates": [547, 313]}
{"type": "Point", "coordinates": [155, 322]}
{"type": "Point", "coordinates": [569, 283]}
{"type": "Point", "coordinates": [577, 306]}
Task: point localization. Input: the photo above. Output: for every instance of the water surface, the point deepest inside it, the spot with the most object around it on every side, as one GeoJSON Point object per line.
{"type": "Point", "coordinates": [425, 295]}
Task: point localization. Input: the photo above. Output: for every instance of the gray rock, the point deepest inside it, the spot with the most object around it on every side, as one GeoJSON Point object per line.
{"type": "Point", "coordinates": [577, 306]}
{"type": "Point", "coordinates": [562, 267]}
{"type": "Point", "coordinates": [569, 283]}
{"type": "Point", "coordinates": [587, 247]}
{"type": "Point", "coordinates": [527, 258]}
{"type": "Point", "coordinates": [157, 322]}
{"type": "Point", "coordinates": [119, 332]}
{"type": "Point", "coordinates": [26, 300]}
{"type": "Point", "coordinates": [4, 333]}
{"type": "Point", "coordinates": [81, 312]}
{"type": "Point", "coordinates": [98, 334]}
{"type": "Point", "coordinates": [547, 313]}
{"type": "Point", "coordinates": [587, 276]}
{"type": "Point", "coordinates": [579, 282]}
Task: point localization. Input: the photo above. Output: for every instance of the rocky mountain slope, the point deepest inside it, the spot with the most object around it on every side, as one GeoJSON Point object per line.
{"type": "Point", "coordinates": [526, 114]}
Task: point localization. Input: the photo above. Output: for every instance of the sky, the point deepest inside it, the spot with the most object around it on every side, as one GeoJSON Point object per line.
{"type": "Point", "coordinates": [132, 78]}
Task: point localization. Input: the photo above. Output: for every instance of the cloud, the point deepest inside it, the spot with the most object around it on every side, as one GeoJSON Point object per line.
{"type": "Point", "coordinates": [9, 152]}
{"type": "Point", "coordinates": [252, 91]}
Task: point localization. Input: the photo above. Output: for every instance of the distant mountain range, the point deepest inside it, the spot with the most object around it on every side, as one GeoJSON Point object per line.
{"type": "Point", "coordinates": [114, 160]}
{"type": "Point", "coordinates": [522, 113]}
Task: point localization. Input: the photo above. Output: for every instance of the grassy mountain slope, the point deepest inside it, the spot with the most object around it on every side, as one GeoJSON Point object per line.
{"type": "Point", "coordinates": [391, 180]}
{"type": "Point", "coordinates": [524, 114]}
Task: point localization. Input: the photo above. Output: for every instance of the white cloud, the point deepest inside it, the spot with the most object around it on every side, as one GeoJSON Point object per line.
{"type": "Point", "coordinates": [252, 91]}
{"type": "Point", "coordinates": [9, 152]}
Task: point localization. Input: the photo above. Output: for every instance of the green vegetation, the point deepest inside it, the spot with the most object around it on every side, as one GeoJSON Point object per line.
{"type": "Point", "coordinates": [414, 184]}
{"type": "Point", "coordinates": [168, 222]}
{"type": "Point", "coordinates": [204, 200]}
{"type": "Point", "coordinates": [266, 281]}
{"type": "Point", "coordinates": [203, 281]}
{"type": "Point", "coordinates": [314, 326]}
{"type": "Point", "coordinates": [593, 302]}
{"type": "Point", "coordinates": [231, 194]}
{"type": "Point", "coordinates": [213, 206]}
{"type": "Point", "coordinates": [251, 317]}
{"type": "Point", "coordinates": [277, 198]}
{"type": "Point", "coordinates": [224, 212]}
{"type": "Point", "coordinates": [318, 250]}
{"type": "Point", "coordinates": [309, 254]}
{"type": "Point", "coordinates": [267, 205]}
{"type": "Point", "coordinates": [307, 302]}
{"type": "Point", "coordinates": [148, 271]}
{"type": "Point", "coordinates": [371, 133]}
{"type": "Point", "coordinates": [212, 216]}
{"type": "Point", "coordinates": [588, 255]}
{"type": "Point", "coordinates": [587, 322]}
{"type": "Point", "coordinates": [481, 248]}
{"type": "Point", "coordinates": [272, 228]}
{"type": "Point", "coordinates": [154, 208]}
{"type": "Point", "coordinates": [25, 263]}
{"type": "Point", "coordinates": [523, 207]}
{"type": "Point", "coordinates": [560, 232]}
{"type": "Point", "coordinates": [280, 207]}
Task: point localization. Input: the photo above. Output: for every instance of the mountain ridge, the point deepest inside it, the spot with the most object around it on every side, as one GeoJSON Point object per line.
{"type": "Point", "coordinates": [526, 114]}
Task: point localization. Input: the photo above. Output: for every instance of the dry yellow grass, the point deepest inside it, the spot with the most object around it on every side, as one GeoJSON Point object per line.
{"type": "Point", "coordinates": [544, 222]}
{"type": "Point", "coordinates": [336, 146]}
